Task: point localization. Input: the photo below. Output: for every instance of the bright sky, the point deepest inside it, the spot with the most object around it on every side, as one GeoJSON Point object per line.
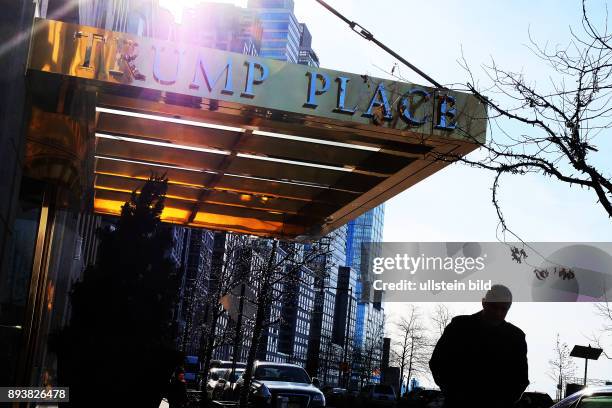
{"type": "Point", "coordinates": [455, 204]}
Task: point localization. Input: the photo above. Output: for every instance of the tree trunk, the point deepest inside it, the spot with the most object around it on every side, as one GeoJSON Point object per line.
{"type": "Point", "coordinates": [248, 372]}
{"type": "Point", "coordinates": [410, 364]}
{"type": "Point", "coordinates": [402, 365]}
{"type": "Point", "coordinates": [263, 302]}
{"type": "Point", "coordinates": [210, 344]}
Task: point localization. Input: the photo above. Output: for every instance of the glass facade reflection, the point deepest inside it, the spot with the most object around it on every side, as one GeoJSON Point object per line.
{"type": "Point", "coordinates": [369, 324]}
{"type": "Point", "coordinates": [281, 31]}
{"type": "Point", "coordinates": [50, 249]}
{"type": "Point", "coordinates": [306, 55]}
{"type": "Point", "coordinates": [15, 279]}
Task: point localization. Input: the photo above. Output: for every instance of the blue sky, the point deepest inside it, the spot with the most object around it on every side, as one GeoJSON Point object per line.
{"type": "Point", "coordinates": [455, 204]}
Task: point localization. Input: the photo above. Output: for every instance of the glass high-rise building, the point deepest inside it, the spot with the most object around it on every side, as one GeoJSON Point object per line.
{"type": "Point", "coordinates": [327, 347]}
{"type": "Point", "coordinates": [281, 29]}
{"type": "Point", "coordinates": [194, 270]}
{"type": "Point", "coordinates": [222, 26]}
{"type": "Point", "coordinates": [287, 341]}
{"type": "Point", "coordinates": [306, 55]}
{"type": "Point", "coordinates": [370, 317]}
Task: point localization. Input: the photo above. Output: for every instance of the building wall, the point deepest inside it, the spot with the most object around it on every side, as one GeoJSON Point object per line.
{"type": "Point", "coordinates": [303, 312]}
{"type": "Point", "coordinates": [15, 26]}
{"type": "Point", "coordinates": [214, 25]}
{"type": "Point", "coordinates": [281, 29]}
{"type": "Point", "coordinates": [306, 55]}
{"type": "Point", "coordinates": [369, 326]}
{"type": "Point", "coordinates": [227, 247]}
{"type": "Point", "coordinates": [222, 26]}
{"type": "Point", "coordinates": [195, 273]}
{"type": "Point", "coordinates": [325, 352]}
{"type": "Point", "coordinates": [287, 341]}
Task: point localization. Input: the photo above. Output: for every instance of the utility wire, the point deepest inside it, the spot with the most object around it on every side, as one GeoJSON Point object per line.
{"type": "Point", "coordinates": [359, 29]}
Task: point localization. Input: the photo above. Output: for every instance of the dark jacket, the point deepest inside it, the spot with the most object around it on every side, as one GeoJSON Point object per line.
{"type": "Point", "coordinates": [177, 394]}
{"type": "Point", "coordinates": [479, 365]}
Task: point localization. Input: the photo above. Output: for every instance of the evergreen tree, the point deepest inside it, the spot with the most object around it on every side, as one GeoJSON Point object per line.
{"type": "Point", "coordinates": [118, 347]}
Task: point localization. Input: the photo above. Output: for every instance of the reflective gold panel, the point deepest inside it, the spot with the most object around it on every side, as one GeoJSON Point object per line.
{"type": "Point", "coordinates": [248, 144]}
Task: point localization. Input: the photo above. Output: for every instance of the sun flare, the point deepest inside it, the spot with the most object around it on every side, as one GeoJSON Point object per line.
{"type": "Point", "coordinates": [178, 7]}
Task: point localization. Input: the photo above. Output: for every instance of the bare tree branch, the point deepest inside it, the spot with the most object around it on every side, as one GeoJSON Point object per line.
{"type": "Point", "coordinates": [555, 125]}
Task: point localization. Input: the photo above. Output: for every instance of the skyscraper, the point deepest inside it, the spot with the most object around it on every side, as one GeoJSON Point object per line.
{"type": "Point", "coordinates": [194, 273]}
{"type": "Point", "coordinates": [287, 341]}
{"type": "Point", "coordinates": [369, 325]}
{"type": "Point", "coordinates": [281, 30]}
{"type": "Point", "coordinates": [306, 55]}
{"type": "Point", "coordinates": [214, 25]}
{"type": "Point", "coordinates": [327, 347]}
{"type": "Point", "coordinates": [222, 26]}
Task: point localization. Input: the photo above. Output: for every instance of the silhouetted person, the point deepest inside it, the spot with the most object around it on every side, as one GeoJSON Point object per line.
{"type": "Point", "coordinates": [177, 390]}
{"type": "Point", "coordinates": [481, 360]}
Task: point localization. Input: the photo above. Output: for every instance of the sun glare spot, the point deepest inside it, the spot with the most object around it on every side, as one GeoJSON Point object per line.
{"type": "Point", "coordinates": [178, 7]}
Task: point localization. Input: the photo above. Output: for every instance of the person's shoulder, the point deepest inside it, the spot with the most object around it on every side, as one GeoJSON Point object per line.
{"type": "Point", "coordinates": [461, 320]}
{"type": "Point", "coordinates": [514, 330]}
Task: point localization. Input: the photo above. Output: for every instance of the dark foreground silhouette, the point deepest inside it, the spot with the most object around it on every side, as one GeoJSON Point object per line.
{"type": "Point", "coordinates": [481, 360]}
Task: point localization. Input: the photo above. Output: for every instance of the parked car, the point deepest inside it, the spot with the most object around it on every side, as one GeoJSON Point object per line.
{"type": "Point", "coordinates": [282, 385]}
{"type": "Point", "coordinates": [377, 395]}
{"type": "Point", "coordinates": [535, 400]}
{"type": "Point", "coordinates": [225, 389]}
{"type": "Point", "coordinates": [590, 397]}
{"type": "Point", "coordinates": [215, 382]}
{"type": "Point", "coordinates": [226, 364]}
{"type": "Point", "coordinates": [424, 398]}
{"type": "Point", "coordinates": [335, 397]}
{"type": "Point", "coordinates": [217, 370]}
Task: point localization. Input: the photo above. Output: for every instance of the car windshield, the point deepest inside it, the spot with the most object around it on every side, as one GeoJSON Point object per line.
{"type": "Point", "coordinates": [568, 401]}
{"type": "Point", "coordinates": [218, 373]}
{"type": "Point", "coordinates": [236, 375]}
{"type": "Point", "coordinates": [282, 373]}
{"type": "Point", "coordinates": [596, 401]}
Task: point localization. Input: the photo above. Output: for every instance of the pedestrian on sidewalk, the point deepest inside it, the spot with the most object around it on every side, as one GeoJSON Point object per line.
{"type": "Point", "coordinates": [481, 360]}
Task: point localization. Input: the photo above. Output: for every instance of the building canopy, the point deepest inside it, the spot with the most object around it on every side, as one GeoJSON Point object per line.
{"type": "Point", "coordinates": [248, 144]}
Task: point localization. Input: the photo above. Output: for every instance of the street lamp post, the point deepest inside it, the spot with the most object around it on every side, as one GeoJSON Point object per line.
{"type": "Point", "coordinates": [588, 353]}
